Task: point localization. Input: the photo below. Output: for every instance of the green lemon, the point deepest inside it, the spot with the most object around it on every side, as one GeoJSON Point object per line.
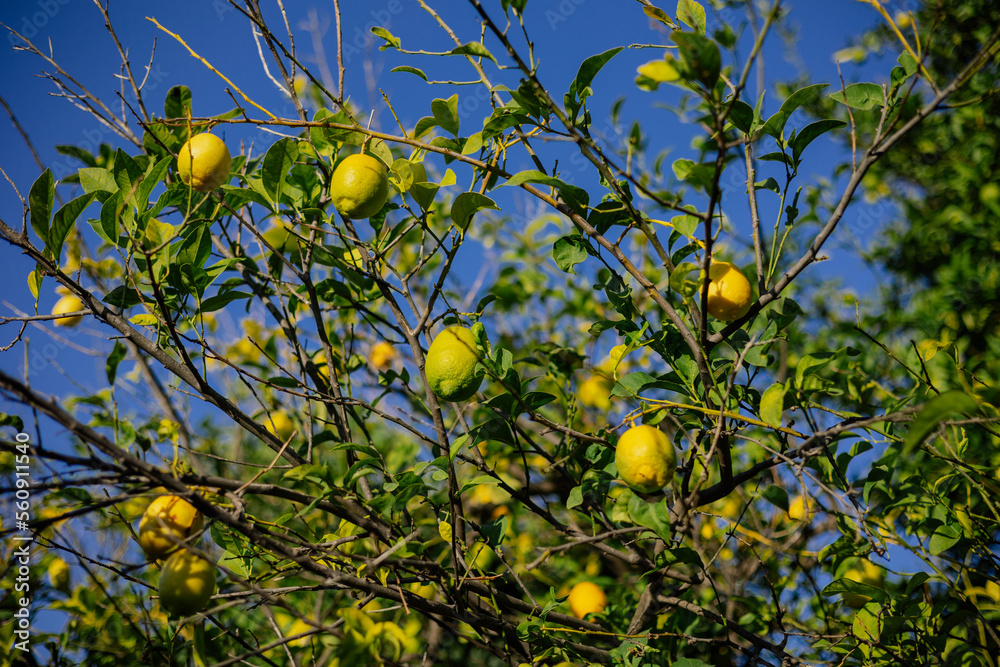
{"type": "Point", "coordinates": [451, 364]}
{"type": "Point", "coordinates": [645, 458]}
{"type": "Point", "coordinates": [187, 582]}
{"type": "Point", "coordinates": [203, 162]}
{"type": "Point", "coordinates": [359, 186]}
{"type": "Point", "coordinates": [729, 293]}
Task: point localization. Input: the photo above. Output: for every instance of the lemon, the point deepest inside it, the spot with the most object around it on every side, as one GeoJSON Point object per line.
{"type": "Point", "coordinates": [167, 521]}
{"type": "Point", "coordinates": [800, 509]}
{"type": "Point", "coordinates": [68, 304]}
{"type": "Point", "coordinates": [382, 355]}
{"type": "Point", "coordinates": [187, 582]}
{"type": "Point", "coordinates": [587, 598]}
{"type": "Point", "coordinates": [279, 425]}
{"type": "Point", "coordinates": [729, 293]}
{"type": "Point", "coordinates": [866, 572]}
{"type": "Point", "coordinates": [359, 186]}
{"type": "Point", "coordinates": [59, 574]}
{"type": "Point", "coordinates": [645, 458]}
{"type": "Point", "coordinates": [451, 364]}
{"type": "Point", "coordinates": [203, 162]}
{"type": "Point", "coordinates": [595, 392]}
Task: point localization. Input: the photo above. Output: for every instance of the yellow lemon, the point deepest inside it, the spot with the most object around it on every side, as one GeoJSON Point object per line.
{"type": "Point", "coordinates": [59, 574]}
{"type": "Point", "coordinates": [382, 355]}
{"type": "Point", "coordinates": [68, 304]}
{"type": "Point", "coordinates": [187, 582]}
{"type": "Point", "coordinates": [359, 186]}
{"type": "Point", "coordinates": [279, 425]}
{"type": "Point", "coordinates": [203, 162]}
{"type": "Point", "coordinates": [587, 598]}
{"type": "Point", "coordinates": [451, 364]}
{"type": "Point", "coordinates": [167, 521]}
{"type": "Point", "coordinates": [800, 509]}
{"type": "Point", "coordinates": [645, 458]}
{"type": "Point", "coordinates": [866, 572]}
{"type": "Point", "coordinates": [595, 392]}
{"type": "Point", "coordinates": [729, 293]}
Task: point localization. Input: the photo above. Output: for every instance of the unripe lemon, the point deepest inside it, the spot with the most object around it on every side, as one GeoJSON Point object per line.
{"type": "Point", "coordinates": [68, 304]}
{"type": "Point", "coordinates": [167, 521]}
{"type": "Point", "coordinates": [187, 582]}
{"type": "Point", "coordinates": [587, 598]}
{"type": "Point", "coordinates": [729, 293]}
{"type": "Point", "coordinates": [645, 458]}
{"type": "Point", "coordinates": [203, 162]}
{"type": "Point", "coordinates": [359, 186]}
{"type": "Point", "coordinates": [451, 364]}
{"type": "Point", "coordinates": [382, 355]}
{"type": "Point", "coordinates": [279, 425]}
{"type": "Point", "coordinates": [59, 574]}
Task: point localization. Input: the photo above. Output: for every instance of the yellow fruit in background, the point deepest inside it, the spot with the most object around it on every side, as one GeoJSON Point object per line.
{"type": "Point", "coordinates": [203, 162]}
{"type": "Point", "coordinates": [59, 574]}
{"type": "Point", "coordinates": [801, 509]}
{"type": "Point", "coordinates": [587, 598]}
{"type": "Point", "coordinates": [187, 583]}
{"type": "Point", "coordinates": [359, 186]}
{"type": "Point", "coordinates": [865, 572]}
{"type": "Point", "coordinates": [281, 239]}
{"type": "Point", "coordinates": [451, 364]}
{"type": "Point", "coordinates": [382, 355]}
{"type": "Point", "coordinates": [645, 458]}
{"type": "Point", "coordinates": [68, 304]}
{"type": "Point", "coordinates": [279, 425]}
{"type": "Point", "coordinates": [167, 521]}
{"type": "Point", "coordinates": [729, 293]}
{"type": "Point", "coordinates": [595, 392]}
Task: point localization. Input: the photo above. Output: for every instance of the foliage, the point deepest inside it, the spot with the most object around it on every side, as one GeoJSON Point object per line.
{"type": "Point", "coordinates": [357, 519]}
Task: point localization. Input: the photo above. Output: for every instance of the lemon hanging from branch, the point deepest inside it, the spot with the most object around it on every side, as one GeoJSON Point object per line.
{"type": "Point", "coordinates": [359, 186]}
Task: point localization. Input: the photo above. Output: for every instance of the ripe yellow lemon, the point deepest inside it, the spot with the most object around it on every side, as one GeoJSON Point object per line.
{"type": "Point", "coordinates": [587, 598]}
{"type": "Point", "coordinates": [595, 392]}
{"type": "Point", "coordinates": [382, 355]}
{"type": "Point", "coordinates": [167, 521]}
{"type": "Point", "coordinates": [866, 572]}
{"type": "Point", "coordinates": [203, 162]}
{"type": "Point", "coordinates": [645, 458]}
{"type": "Point", "coordinates": [801, 509]}
{"type": "Point", "coordinates": [729, 293]}
{"type": "Point", "coordinates": [68, 304]}
{"type": "Point", "coordinates": [59, 574]}
{"type": "Point", "coordinates": [279, 425]}
{"type": "Point", "coordinates": [359, 186]}
{"type": "Point", "coordinates": [187, 582]}
{"type": "Point", "coordinates": [451, 364]}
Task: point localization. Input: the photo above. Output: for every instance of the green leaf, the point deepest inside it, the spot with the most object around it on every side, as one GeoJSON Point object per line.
{"type": "Point", "coordinates": [692, 14]}
{"type": "Point", "coordinates": [659, 15]}
{"type": "Point", "coordinates": [35, 281]}
{"type": "Point", "coordinates": [472, 49]}
{"type": "Point", "coordinates": [741, 116]}
{"type": "Point", "coordinates": [943, 538]}
{"type": "Point", "coordinates": [446, 113]}
{"type": "Point", "coordinates": [855, 588]}
{"type": "Point", "coordinates": [811, 363]}
{"type": "Point", "coordinates": [220, 301]}
{"type": "Point", "coordinates": [776, 123]}
{"type": "Point", "coordinates": [579, 89]}
{"type": "Point", "coordinates": [63, 221]}
{"type": "Point", "coordinates": [811, 132]}
{"type": "Point", "coordinates": [699, 175]}
{"type": "Point", "coordinates": [569, 251]}
{"type": "Point", "coordinates": [700, 55]}
{"type": "Point", "coordinates": [177, 103]}
{"type": "Point", "coordinates": [40, 200]}
{"type": "Point", "coordinates": [653, 515]}
{"type": "Point", "coordinates": [111, 365]}
{"type": "Point", "coordinates": [391, 41]}
{"type": "Point", "coordinates": [277, 162]}
{"type": "Point", "coordinates": [411, 70]}
{"type": "Point", "coordinates": [467, 205]}
{"type": "Point", "coordinates": [862, 96]}
{"type": "Point", "coordinates": [574, 196]}
{"type": "Point", "coordinates": [768, 184]}
{"type": "Point", "coordinates": [153, 176]}
{"type": "Point", "coordinates": [690, 662]}
{"type": "Point", "coordinates": [772, 404]}
{"type": "Point", "coordinates": [934, 412]}
{"type": "Point", "coordinates": [632, 384]}
{"type": "Point", "coordinates": [777, 496]}
{"type": "Point", "coordinates": [96, 179]}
